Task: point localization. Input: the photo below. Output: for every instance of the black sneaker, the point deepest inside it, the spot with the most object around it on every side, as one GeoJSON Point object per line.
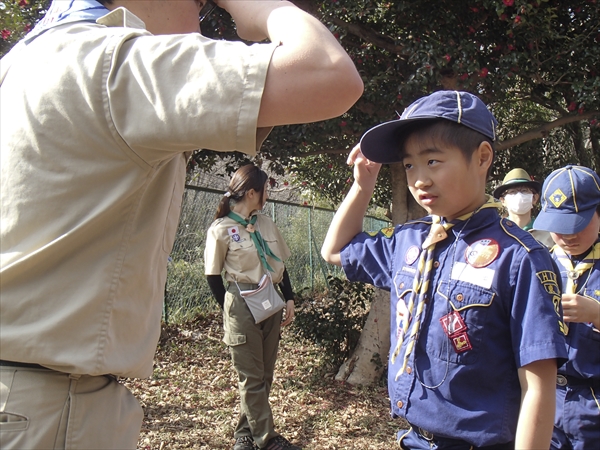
{"type": "Point", "coordinates": [244, 443]}
{"type": "Point", "coordinates": [280, 443]}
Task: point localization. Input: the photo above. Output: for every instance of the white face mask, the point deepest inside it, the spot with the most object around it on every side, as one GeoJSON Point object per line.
{"type": "Point", "coordinates": [519, 203]}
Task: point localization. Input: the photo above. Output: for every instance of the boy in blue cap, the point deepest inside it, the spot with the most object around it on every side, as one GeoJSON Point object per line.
{"type": "Point", "coordinates": [476, 326]}
{"type": "Point", "coordinates": [571, 213]}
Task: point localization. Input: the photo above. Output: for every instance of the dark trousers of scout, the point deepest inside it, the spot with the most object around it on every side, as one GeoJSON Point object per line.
{"type": "Point", "coordinates": [253, 349]}
{"type": "Point", "coordinates": [44, 409]}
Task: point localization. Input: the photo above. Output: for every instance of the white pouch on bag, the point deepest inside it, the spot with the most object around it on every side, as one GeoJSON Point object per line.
{"type": "Point", "coordinates": [264, 301]}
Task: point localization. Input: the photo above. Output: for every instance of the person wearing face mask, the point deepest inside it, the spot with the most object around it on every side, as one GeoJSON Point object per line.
{"type": "Point", "coordinates": [519, 194]}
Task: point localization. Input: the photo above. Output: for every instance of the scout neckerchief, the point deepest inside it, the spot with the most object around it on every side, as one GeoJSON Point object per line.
{"type": "Point", "coordinates": [261, 246]}
{"type": "Point", "coordinates": [574, 273]}
{"type": "Point", "coordinates": [437, 233]}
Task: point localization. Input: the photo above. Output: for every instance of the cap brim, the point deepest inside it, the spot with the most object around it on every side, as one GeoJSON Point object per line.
{"type": "Point", "coordinates": [536, 186]}
{"type": "Point", "coordinates": [565, 222]}
{"type": "Point", "coordinates": [380, 143]}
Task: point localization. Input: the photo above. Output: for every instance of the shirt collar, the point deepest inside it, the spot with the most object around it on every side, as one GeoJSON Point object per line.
{"type": "Point", "coordinates": [68, 11]}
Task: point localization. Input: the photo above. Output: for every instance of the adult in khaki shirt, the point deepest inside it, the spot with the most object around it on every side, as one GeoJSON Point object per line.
{"type": "Point", "coordinates": [100, 104]}
{"type": "Point", "coordinates": [246, 245]}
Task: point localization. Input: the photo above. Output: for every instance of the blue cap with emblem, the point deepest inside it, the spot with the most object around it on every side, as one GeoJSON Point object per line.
{"type": "Point", "coordinates": [570, 197]}
{"type": "Point", "coordinates": [380, 143]}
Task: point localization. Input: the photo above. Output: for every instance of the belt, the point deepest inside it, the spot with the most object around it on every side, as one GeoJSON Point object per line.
{"type": "Point", "coordinates": [429, 436]}
{"type": "Point", "coordinates": [569, 380]}
{"type": "Point", "coordinates": [21, 364]}
{"type": "Point", "coordinates": [245, 286]}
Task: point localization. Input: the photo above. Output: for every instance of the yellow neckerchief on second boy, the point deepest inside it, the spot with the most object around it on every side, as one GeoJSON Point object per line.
{"type": "Point", "coordinates": [437, 233]}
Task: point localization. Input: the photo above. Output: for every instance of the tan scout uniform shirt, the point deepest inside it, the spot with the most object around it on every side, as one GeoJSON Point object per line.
{"type": "Point", "coordinates": [238, 254]}
{"type": "Point", "coordinates": [95, 121]}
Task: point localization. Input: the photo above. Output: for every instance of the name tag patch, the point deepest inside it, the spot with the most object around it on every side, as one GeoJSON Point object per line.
{"type": "Point", "coordinates": [479, 277]}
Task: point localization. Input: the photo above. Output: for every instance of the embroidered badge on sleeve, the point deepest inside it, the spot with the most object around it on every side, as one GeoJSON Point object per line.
{"type": "Point", "coordinates": [549, 280]}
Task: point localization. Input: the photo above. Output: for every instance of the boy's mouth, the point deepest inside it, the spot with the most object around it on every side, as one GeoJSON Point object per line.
{"type": "Point", "coordinates": [426, 199]}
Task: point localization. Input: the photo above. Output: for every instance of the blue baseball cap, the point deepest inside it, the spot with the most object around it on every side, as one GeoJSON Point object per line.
{"type": "Point", "coordinates": [570, 197]}
{"type": "Point", "coordinates": [380, 143]}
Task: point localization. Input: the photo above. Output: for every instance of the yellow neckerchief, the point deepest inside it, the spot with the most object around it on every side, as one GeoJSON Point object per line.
{"type": "Point", "coordinates": [573, 273]}
{"type": "Point", "coordinates": [437, 233]}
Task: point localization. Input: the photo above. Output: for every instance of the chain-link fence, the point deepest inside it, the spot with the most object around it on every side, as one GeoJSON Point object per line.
{"type": "Point", "coordinates": [304, 229]}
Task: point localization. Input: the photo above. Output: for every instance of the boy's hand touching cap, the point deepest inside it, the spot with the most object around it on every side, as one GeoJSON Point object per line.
{"type": "Point", "coordinates": [365, 171]}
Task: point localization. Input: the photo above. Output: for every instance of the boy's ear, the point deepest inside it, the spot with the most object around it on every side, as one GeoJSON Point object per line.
{"type": "Point", "coordinates": [484, 155]}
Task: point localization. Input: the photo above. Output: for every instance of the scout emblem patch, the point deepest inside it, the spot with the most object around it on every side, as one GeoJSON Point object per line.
{"type": "Point", "coordinates": [482, 253]}
{"type": "Point", "coordinates": [411, 255]}
{"type": "Point", "coordinates": [557, 198]}
{"type": "Point", "coordinates": [234, 233]}
{"type": "Point", "coordinates": [456, 329]}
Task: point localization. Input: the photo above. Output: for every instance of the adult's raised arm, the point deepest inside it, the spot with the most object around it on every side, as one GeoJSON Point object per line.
{"type": "Point", "coordinates": [310, 76]}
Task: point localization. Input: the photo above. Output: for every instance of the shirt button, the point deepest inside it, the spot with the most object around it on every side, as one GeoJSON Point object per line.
{"type": "Point", "coordinates": [509, 223]}
{"type": "Point", "coordinates": [400, 404]}
{"type": "Point", "coordinates": [408, 370]}
{"type": "Point", "coordinates": [460, 297]}
{"type": "Point", "coordinates": [401, 285]}
{"type": "Point", "coordinates": [436, 264]}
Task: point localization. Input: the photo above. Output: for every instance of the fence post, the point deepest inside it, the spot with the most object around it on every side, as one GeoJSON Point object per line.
{"type": "Point", "coordinates": [310, 255]}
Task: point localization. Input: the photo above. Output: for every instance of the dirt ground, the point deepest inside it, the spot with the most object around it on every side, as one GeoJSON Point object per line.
{"type": "Point", "coordinates": [192, 399]}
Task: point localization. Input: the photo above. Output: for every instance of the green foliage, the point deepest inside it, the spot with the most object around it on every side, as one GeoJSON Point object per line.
{"type": "Point", "coordinates": [17, 17]}
{"type": "Point", "coordinates": [334, 320]}
{"type": "Point", "coordinates": [187, 293]}
{"type": "Point", "coordinates": [532, 61]}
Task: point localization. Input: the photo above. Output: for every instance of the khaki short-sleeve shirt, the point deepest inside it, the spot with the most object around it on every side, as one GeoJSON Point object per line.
{"type": "Point", "coordinates": [96, 119]}
{"type": "Point", "coordinates": [229, 247]}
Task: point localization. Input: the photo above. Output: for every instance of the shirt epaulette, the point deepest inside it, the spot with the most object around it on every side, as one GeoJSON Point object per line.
{"type": "Point", "coordinates": [527, 241]}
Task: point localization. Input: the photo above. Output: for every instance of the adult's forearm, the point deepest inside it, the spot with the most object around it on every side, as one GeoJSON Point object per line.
{"type": "Point", "coordinates": [310, 73]}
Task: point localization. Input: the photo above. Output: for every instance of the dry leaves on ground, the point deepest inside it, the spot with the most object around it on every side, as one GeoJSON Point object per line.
{"type": "Point", "coordinates": [192, 399]}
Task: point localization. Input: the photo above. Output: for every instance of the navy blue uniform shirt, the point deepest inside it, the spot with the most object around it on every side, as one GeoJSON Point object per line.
{"type": "Point", "coordinates": [493, 306]}
{"type": "Point", "coordinates": [583, 340]}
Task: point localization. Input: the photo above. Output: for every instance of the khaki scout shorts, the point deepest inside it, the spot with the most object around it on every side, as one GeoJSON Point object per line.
{"type": "Point", "coordinates": [44, 409]}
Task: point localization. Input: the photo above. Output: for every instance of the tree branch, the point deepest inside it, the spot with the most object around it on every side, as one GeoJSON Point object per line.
{"type": "Point", "coordinates": [367, 34]}
{"type": "Point", "coordinates": [536, 133]}
{"type": "Point", "coordinates": [543, 131]}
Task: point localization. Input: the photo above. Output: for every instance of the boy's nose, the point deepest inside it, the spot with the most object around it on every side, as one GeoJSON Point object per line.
{"type": "Point", "coordinates": [422, 181]}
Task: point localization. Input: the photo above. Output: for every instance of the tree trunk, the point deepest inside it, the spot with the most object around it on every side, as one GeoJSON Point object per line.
{"type": "Point", "coordinates": [369, 360]}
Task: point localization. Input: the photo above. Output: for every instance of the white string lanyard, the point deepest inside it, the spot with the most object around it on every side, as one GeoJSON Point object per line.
{"type": "Point", "coordinates": [449, 291]}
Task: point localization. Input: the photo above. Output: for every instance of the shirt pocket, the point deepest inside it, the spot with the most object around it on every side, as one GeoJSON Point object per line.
{"type": "Point", "coordinates": [242, 255]}
{"type": "Point", "coordinates": [462, 313]}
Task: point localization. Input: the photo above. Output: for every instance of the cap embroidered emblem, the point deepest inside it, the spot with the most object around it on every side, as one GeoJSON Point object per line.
{"type": "Point", "coordinates": [557, 198]}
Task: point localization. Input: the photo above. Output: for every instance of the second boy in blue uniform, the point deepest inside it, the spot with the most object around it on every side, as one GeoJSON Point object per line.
{"type": "Point", "coordinates": [476, 326]}
{"type": "Point", "coordinates": [571, 212]}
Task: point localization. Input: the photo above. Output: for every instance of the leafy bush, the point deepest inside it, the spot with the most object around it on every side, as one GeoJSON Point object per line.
{"type": "Point", "coordinates": [335, 318]}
